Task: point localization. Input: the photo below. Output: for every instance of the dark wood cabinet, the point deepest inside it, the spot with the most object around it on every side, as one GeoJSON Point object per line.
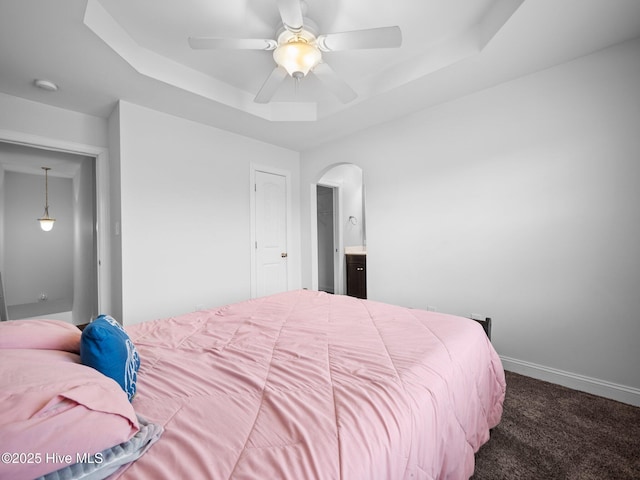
{"type": "Point", "coordinates": [357, 276]}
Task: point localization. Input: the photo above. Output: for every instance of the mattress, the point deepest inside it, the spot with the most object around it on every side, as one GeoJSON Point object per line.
{"type": "Point", "coordinates": [308, 385]}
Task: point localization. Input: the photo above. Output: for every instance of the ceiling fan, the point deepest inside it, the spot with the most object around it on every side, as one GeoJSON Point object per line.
{"type": "Point", "coordinates": [297, 49]}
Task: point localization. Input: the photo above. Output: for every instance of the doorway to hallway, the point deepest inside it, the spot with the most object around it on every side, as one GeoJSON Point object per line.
{"type": "Point", "coordinates": [52, 274]}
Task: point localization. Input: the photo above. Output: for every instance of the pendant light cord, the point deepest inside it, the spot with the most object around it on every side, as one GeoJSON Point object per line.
{"type": "Point", "coordinates": [46, 191]}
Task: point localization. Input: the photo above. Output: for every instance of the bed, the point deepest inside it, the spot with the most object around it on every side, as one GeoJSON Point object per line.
{"type": "Point", "coordinates": [308, 385]}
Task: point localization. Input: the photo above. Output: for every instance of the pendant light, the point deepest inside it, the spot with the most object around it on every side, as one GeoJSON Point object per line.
{"type": "Point", "coordinates": [46, 222]}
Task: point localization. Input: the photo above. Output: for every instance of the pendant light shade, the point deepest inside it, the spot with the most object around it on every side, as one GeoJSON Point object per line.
{"type": "Point", "coordinates": [46, 222]}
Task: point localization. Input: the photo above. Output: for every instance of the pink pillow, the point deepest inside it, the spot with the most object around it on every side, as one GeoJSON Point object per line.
{"type": "Point", "coordinates": [51, 403]}
{"type": "Point", "coordinates": [40, 334]}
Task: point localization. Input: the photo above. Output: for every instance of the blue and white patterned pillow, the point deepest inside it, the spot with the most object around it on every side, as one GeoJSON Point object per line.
{"type": "Point", "coordinates": [106, 347]}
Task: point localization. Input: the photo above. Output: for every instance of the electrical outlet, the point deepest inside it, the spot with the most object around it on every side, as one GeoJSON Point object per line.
{"type": "Point", "coordinates": [431, 308]}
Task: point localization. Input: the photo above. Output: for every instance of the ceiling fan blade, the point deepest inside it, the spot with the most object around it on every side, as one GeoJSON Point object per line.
{"type": "Point", "coordinates": [383, 37]}
{"type": "Point", "coordinates": [291, 14]}
{"type": "Point", "coordinates": [271, 85]}
{"type": "Point", "coordinates": [210, 43]}
{"type": "Point", "coordinates": [333, 82]}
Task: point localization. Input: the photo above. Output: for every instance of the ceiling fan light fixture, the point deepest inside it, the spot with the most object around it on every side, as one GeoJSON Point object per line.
{"type": "Point", "coordinates": [297, 57]}
{"type": "Point", "coordinates": [298, 49]}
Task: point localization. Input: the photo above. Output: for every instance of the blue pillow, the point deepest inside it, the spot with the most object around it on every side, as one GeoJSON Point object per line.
{"type": "Point", "coordinates": [106, 347]}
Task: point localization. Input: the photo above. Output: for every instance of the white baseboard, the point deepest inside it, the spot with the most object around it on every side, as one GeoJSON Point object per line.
{"type": "Point", "coordinates": [614, 391]}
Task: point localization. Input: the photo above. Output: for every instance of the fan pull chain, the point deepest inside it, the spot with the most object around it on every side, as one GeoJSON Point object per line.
{"type": "Point", "coordinates": [297, 76]}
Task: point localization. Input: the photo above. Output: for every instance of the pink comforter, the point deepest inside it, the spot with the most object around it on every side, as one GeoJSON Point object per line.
{"type": "Point", "coordinates": [305, 385]}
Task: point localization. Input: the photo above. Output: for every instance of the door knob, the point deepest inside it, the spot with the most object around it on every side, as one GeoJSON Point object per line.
{"type": "Point", "coordinates": [283, 255]}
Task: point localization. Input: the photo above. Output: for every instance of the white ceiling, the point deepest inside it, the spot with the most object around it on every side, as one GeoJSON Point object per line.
{"type": "Point", "coordinates": [99, 51]}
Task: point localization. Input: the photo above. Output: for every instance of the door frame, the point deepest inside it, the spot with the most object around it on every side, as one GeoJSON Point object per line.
{"type": "Point", "coordinates": [103, 241]}
{"type": "Point", "coordinates": [338, 265]}
{"type": "Point", "coordinates": [253, 168]}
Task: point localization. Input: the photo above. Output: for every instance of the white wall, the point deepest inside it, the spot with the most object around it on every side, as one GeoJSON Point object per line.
{"type": "Point", "coordinates": [520, 202]}
{"type": "Point", "coordinates": [185, 227]}
{"type": "Point", "coordinates": [40, 120]}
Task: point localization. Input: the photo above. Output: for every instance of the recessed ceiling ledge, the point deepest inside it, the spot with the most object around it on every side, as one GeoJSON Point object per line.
{"type": "Point", "coordinates": [157, 67]}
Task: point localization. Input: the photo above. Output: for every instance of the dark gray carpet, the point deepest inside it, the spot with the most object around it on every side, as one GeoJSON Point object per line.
{"type": "Point", "coordinates": [550, 432]}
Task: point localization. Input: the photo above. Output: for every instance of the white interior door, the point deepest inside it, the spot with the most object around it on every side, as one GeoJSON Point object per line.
{"type": "Point", "coordinates": [270, 233]}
